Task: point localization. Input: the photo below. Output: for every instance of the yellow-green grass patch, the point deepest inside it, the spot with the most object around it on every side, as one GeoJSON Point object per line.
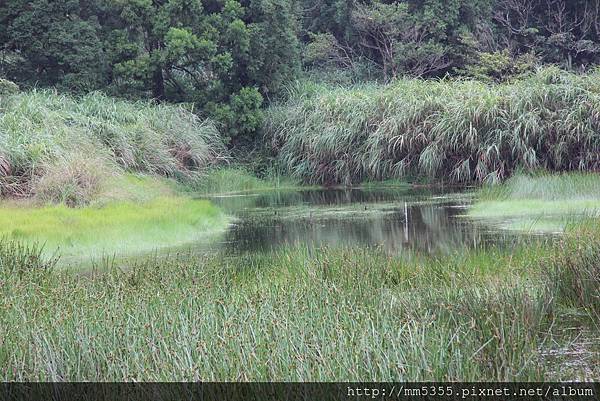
{"type": "Point", "coordinates": [116, 228]}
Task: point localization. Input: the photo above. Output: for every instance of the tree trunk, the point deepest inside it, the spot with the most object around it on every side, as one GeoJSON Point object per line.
{"type": "Point", "coordinates": [158, 84]}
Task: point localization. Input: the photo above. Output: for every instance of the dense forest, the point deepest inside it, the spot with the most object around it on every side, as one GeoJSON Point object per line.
{"type": "Point", "coordinates": [230, 59]}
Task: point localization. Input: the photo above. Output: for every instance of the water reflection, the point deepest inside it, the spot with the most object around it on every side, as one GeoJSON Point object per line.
{"type": "Point", "coordinates": [422, 220]}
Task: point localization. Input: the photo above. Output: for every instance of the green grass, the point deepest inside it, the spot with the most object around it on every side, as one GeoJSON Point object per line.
{"type": "Point", "coordinates": [117, 228]}
{"type": "Point", "coordinates": [536, 207]}
{"type": "Point", "coordinates": [447, 130]}
{"type": "Point", "coordinates": [62, 149]}
{"type": "Point", "coordinates": [576, 268]}
{"type": "Point", "coordinates": [292, 315]}
{"type": "Point", "coordinates": [546, 187]}
{"type": "Point", "coordinates": [298, 315]}
{"type": "Point", "coordinates": [229, 180]}
{"type": "Point", "coordinates": [384, 184]}
{"type": "Point", "coordinates": [541, 202]}
{"type": "Point", "coordinates": [95, 176]}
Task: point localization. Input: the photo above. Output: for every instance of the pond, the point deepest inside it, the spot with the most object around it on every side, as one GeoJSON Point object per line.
{"type": "Point", "coordinates": [397, 219]}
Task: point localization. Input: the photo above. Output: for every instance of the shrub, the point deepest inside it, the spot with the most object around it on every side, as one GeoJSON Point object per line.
{"type": "Point", "coordinates": [8, 87]}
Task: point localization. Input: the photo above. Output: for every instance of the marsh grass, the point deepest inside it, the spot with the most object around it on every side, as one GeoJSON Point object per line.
{"type": "Point", "coordinates": [337, 314]}
{"type": "Point", "coordinates": [449, 130]}
{"type": "Point", "coordinates": [539, 202]}
{"type": "Point", "coordinates": [231, 180]}
{"type": "Point", "coordinates": [19, 259]}
{"type": "Point", "coordinates": [44, 136]}
{"type": "Point", "coordinates": [116, 228]}
{"type": "Point", "coordinates": [545, 186]}
{"type": "Point", "coordinates": [576, 266]}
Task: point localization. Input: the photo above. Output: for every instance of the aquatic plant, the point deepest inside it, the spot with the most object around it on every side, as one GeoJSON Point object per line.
{"type": "Point", "coordinates": [18, 258]}
{"type": "Point", "coordinates": [539, 202]}
{"type": "Point", "coordinates": [336, 314]}
{"type": "Point", "coordinates": [450, 130]}
{"type": "Point", "coordinates": [576, 268]}
{"type": "Point", "coordinates": [222, 180]}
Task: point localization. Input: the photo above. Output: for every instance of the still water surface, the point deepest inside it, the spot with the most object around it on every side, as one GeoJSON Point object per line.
{"type": "Point", "coordinates": [396, 219]}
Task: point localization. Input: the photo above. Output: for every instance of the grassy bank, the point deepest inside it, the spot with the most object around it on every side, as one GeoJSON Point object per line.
{"type": "Point", "coordinates": [228, 180]}
{"type": "Point", "coordinates": [448, 130]}
{"type": "Point", "coordinates": [92, 176]}
{"type": "Point", "coordinates": [291, 315]}
{"type": "Point", "coordinates": [541, 202]}
{"type": "Point", "coordinates": [60, 148]}
{"type": "Point", "coordinates": [119, 228]}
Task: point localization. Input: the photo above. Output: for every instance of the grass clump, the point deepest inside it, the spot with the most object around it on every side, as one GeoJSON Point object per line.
{"type": "Point", "coordinates": [74, 180]}
{"type": "Point", "coordinates": [18, 259]}
{"type": "Point", "coordinates": [539, 202]}
{"type": "Point", "coordinates": [451, 130]}
{"type": "Point", "coordinates": [340, 314]}
{"type": "Point", "coordinates": [54, 146]}
{"type": "Point", "coordinates": [576, 265]}
{"type": "Point", "coordinates": [225, 180]}
{"type": "Point", "coordinates": [8, 87]}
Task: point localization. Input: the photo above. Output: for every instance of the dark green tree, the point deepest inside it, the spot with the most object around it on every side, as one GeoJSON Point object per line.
{"type": "Point", "coordinates": [49, 42]}
{"type": "Point", "coordinates": [565, 32]}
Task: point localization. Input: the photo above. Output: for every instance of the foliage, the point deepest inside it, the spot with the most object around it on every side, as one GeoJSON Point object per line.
{"type": "Point", "coordinates": [283, 316]}
{"type": "Point", "coordinates": [53, 42]}
{"type": "Point", "coordinates": [562, 32]}
{"type": "Point", "coordinates": [500, 66]}
{"type": "Point", "coordinates": [325, 50]}
{"type": "Point", "coordinates": [401, 37]}
{"type": "Point", "coordinates": [435, 37]}
{"type": "Point", "coordinates": [8, 87]}
{"type": "Point", "coordinates": [232, 58]}
{"type": "Point", "coordinates": [458, 131]}
{"type": "Point", "coordinates": [399, 42]}
{"type": "Point", "coordinates": [241, 117]}
{"type": "Point", "coordinates": [53, 143]}
{"type": "Point", "coordinates": [222, 56]}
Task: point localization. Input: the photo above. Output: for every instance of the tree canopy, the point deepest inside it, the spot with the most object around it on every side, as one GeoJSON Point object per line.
{"type": "Point", "coordinates": [229, 58]}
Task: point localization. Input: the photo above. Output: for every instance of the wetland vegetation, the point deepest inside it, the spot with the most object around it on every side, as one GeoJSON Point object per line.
{"type": "Point", "coordinates": [293, 314]}
{"type": "Point", "coordinates": [540, 202]}
{"type": "Point", "coordinates": [446, 130]}
{"type": "Point", "coordinates": [299, 191]}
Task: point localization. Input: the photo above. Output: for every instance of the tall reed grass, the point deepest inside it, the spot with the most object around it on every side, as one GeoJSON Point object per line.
{"type": "Point", "coordinates": [576, 265]}
{"type": "Point", "coordinates": [453, 130]}
{"type": "Point", "coordinates": [49, 142]}
{"type": "Point", "coordinates": [341, 314]}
